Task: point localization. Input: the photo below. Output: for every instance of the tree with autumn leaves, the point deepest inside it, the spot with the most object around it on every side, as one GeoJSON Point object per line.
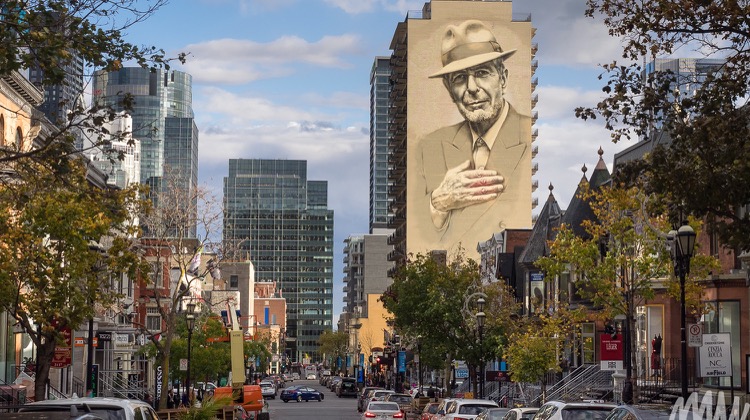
{"type": "Point", "coordinates": [62, 243]}
{"type": "Point", "coordinates": [698, 123]}
{"type": "Point", "coordinates": [623, 259]}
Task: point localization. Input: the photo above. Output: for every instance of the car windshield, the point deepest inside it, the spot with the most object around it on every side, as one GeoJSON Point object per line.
{"type": "Point", "coordinates": [399, 398]}
{"type": "Point", "coordinates": [585, 413]}
{"type": "Point", "coordinates": [473, 409]}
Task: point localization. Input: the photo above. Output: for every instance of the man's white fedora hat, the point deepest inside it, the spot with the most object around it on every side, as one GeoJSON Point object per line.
{"type": "Point", "coordinates": [467, 45]}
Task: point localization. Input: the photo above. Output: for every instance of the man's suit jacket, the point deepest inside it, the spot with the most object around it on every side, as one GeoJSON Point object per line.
{"type": "Point", "coordinates": [447, 148]}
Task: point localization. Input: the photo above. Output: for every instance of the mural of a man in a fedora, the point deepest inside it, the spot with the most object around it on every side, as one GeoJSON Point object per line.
{"type": "Point", "coordinates": [467, 171]}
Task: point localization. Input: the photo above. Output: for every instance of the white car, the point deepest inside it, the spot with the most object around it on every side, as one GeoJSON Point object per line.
{"type": "Point", "coordinates": [108, 408]}
{"type": "Point", "coordinates": [463, 408]}
{"type": "Point", "coordinates": [311, 376]}
{"type": "Point", "coordinates": [268, 389]}
{"type": "Point", "coordinates": [558, 410]}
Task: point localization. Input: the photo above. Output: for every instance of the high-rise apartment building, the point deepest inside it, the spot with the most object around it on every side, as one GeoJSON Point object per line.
{"type": "Point", "coordinates": [365, 272]}
{"type": "Point", "coordinates": [163, 121]}
{"type": "Point", "coordinates": [282, 223]}
{"type": "Point", "coordinates": [380, 88]}
{"type": "Point", "coordinates": [59, 99]}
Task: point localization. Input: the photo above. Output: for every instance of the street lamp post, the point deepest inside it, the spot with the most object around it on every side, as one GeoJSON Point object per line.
{"type": "Point", "coordinates": [190, 320]}
{"type": "Point", "coordinates": [480, 326]}
{"type": "Point", "coordinates": [683, 241]}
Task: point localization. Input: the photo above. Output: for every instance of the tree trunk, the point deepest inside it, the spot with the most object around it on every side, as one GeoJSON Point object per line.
{"type": "Point", "coordinates": [164, 363]}
{"type": "Point", "coordinates": [44, 355]}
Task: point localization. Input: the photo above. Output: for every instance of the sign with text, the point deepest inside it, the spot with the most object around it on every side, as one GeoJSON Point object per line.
{"type": "Point", "coordinates": [401, 361]}
{"type": "Point", "coordinates": [496, 376]}
{"type": "Point", "coordinates": [63, 354]}
{"type": "Point", "coordinates": [695, 335]}
{"type": "Point", "coordinates": [716, 355]}
{"type": "Point", "coordinates": [611, 351]}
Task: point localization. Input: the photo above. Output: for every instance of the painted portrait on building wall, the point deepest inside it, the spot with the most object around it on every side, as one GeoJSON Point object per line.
{"type": "Point", "coordinates": [469, 125]}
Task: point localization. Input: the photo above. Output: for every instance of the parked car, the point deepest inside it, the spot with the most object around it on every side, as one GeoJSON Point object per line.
{"type": "Point", "coordinates": [268, 389]}
{"type": "Point", "coordinates": [106, 408]}
{"type": "Point", "coordinates": [347, 388]}
{"type": "Point", "coordinates": [628, 412]}
{"type": "Point", "coordinates": [295, 376]}
{"type": "Point", "coordinates": [559, 410]}
{"type": "Point", "coordinates": [380, 394]}
{"type": "Point", "coordinates": [493, 414]}
{"type": "Point", "coordinates": [299, 393]}
{"type": "Point", "coordinates": [403, 400]}
{"type": "Point", "coordinates": [522, 413]}
{"type": "Point", "coordinates": [428, 413]}
{"type": "Point", "coordinates": [462, 408]}
{"type": "Point", "coordinates": [334, 382]}
{"type": "Point", "coordinates": [382, 410]}
{"type": "Point", "coordinates": [50, 416]}
{"type": "Point", "coordinates": [311, 377]}
{"type": "Point", "coordinates": [363, 398]}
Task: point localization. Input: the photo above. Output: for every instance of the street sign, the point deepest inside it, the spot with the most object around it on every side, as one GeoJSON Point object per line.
{"type": "Point", "coordinates": [695, 333]}
{"type": "Point", "coordinates": [462, 373]}
{"type": "Point", "coordinates": [183, 364]}
{"type": "Point", "coordinates": [611, 365]}
{"type": "Point", "coordinates": [716, 355]}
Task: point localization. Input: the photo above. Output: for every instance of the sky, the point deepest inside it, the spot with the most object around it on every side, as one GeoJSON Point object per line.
{"type": "Point", "coordinates": [289, 79]}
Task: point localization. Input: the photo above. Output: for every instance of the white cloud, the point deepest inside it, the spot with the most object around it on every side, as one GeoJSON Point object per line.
{"type": "Point", "coordinates": [365, 6]}
{"type": "Point", "coordinates": [243, 110]}
{"type": "Point", "coordinates": [557, 102]}
{"type": "Point", "coordinates": [238, 61]}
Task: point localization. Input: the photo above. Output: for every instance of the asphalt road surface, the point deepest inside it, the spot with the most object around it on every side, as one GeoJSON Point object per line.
{"type": "Point", "coordinates": [332, 407]}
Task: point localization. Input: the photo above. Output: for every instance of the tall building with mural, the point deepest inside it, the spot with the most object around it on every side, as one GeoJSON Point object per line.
{"type": "Point", "coordinates": [461, 126]}
{"type": "Point", "coordinates": [280, 220]}
{"type": "Point", "coordinates": [163, 122]}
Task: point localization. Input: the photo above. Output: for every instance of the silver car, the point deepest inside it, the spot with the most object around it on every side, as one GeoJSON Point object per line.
{"type": "Point", "coordinates": [382, 410]}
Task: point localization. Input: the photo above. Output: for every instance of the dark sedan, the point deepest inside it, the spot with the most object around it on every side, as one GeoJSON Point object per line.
{"type": "Point", "coordinates": [299, 393]}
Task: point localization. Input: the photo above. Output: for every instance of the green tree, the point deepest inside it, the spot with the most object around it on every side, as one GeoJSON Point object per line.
{"type": "Point", "coordinates": [705, 120]}
{"type": "Point", "coordinates": [54, 272]}
{"type": "Point", "coordinates": [334, 344]}
{"type": "Point", "coordinates": [52, 34]}
{"type": "Point", "coordinates": [437, 303]}
{"type": "Point", "coordinates": [535, 348]}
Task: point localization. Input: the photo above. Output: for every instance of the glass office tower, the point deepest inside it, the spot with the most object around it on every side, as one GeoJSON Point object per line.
{"type": "Point", "coordinates": [280, 220]}
{"type": "Point", "coordinates": [163, 121]}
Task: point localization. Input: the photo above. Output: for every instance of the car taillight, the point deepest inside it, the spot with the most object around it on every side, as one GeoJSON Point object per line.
{"type": "Point", "coordinates": [461, 418]}
{"type": "Point", "coordinates": [398, 415]}
{"type": "Point", "coordinates": [369, 414]}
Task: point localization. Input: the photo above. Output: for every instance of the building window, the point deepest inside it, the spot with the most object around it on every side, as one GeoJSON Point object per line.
{"type": "Point", "coordinates": [153, 323]}
{"type": "Point", "coordinates": [234, 281]}
{"type": "Point", "coordinates": [158, 274]}
{"type": "Point", "coordinates": [588, 335]}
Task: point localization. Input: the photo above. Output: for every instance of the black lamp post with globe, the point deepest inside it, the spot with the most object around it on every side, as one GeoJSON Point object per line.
{"type": "Point", "coordinates": [683, 242]}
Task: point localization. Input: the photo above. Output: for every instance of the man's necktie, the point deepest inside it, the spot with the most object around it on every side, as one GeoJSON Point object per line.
{"type": "Point", "coordinates": [481, 154]}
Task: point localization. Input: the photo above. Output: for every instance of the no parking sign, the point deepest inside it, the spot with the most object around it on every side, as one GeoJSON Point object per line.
{"type": "Point", "coordinates": [695, 335]}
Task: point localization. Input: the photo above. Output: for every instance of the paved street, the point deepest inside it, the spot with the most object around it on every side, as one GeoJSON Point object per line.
{"type": "Point", "coordinates": [331, 407]}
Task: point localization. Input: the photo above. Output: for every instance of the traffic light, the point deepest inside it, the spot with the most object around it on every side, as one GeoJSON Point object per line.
{"type": "Point", "coordinates": [370, 359]}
